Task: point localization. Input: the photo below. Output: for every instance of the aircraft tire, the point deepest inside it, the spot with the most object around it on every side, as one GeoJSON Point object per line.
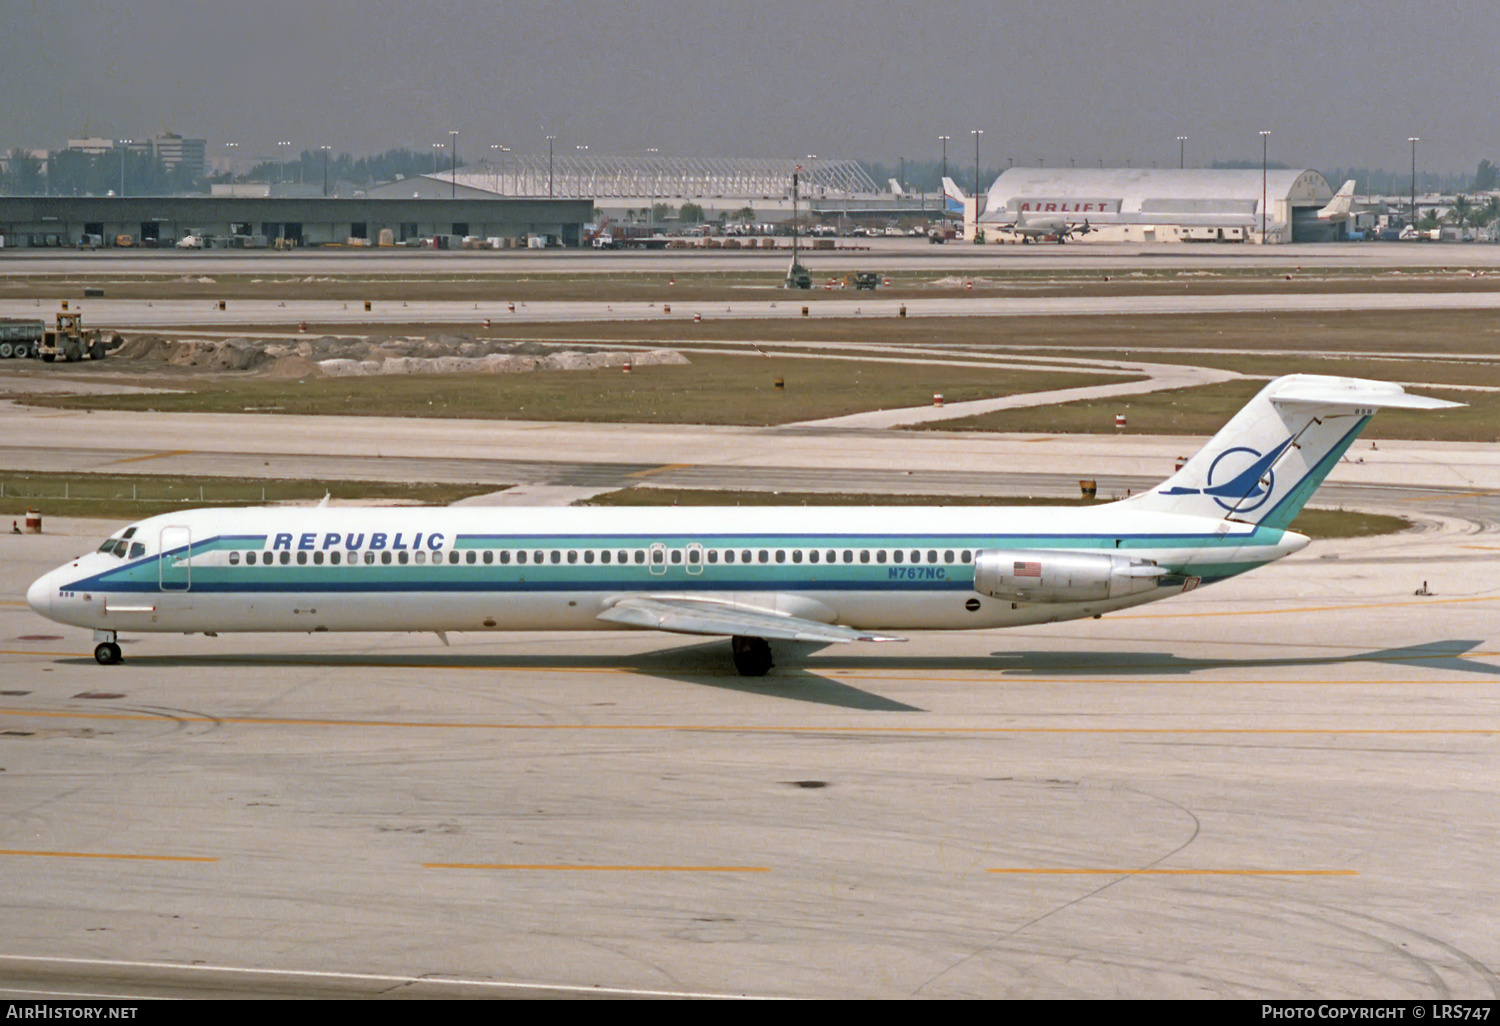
{"type": "Point", "coordinates": [107, 654]}
{"type": "Point", "coordinates": [752, 656]}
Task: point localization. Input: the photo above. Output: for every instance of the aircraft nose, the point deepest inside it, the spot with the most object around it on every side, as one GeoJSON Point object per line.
{"type": "Point", "coordinates": [39, 595]}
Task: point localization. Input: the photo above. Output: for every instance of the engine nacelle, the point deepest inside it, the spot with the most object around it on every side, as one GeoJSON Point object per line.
{"type": "Point", "coordinates": [1048, 575]}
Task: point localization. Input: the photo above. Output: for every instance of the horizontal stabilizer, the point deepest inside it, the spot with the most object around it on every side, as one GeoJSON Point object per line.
{"type": "Point", "coordinates": [692, 616]}
{"type": "Point", "coordinates": [1355, 392]}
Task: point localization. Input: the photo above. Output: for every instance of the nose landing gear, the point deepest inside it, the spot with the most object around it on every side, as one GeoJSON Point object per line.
{"type": "Point", "coordinates": [107, 652]}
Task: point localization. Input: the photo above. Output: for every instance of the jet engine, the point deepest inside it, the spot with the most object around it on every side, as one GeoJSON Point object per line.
{"type": "Point", "coordinates": [1040, 575]}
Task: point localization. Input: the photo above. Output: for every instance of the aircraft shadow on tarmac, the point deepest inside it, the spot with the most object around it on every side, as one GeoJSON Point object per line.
{"type": "Point", "coordinates": [799, 674]}
{"type": "Point", "coordinates": [704, 664]}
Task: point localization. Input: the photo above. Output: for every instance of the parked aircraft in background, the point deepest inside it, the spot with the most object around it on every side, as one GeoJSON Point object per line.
{"type": "Point", "coordinates": [1032, 227]}
{"type": "Point", "coordinates": [758, 575]}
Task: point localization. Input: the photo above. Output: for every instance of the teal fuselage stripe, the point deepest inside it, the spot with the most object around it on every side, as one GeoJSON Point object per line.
{"type": "Point", "coordinates": [153, 573]}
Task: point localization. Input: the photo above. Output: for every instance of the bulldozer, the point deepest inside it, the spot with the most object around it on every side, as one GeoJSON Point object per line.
{"type": "Point", "coordinates": [69, 340]}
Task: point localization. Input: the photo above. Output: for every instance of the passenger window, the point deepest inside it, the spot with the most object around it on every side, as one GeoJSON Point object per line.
{"type": "Point", "coordinates": [419, 556]}
{"type": "Point", "coordinates": [895, 555]}
{"type": "Point", "coordinates": [557, 555]}
{"type": "Point", "coordinates": [234, 559]}
{"type": "Point", "coordinates": [880, 556]}
{"type": "Point", "coordinates": [625, 557]}
{"type": "Point", "coordinates": [812, 557]}
{"type": "Point", "coordinates": [781, 555]}
{"type": "Point", "coordinates": [676, 555]}
{"type": "Point", "coordinates": [318, 558]}
{"type": "Point", "coordinates": [401, 558]}
{"type": "Point", "coordinates": [796, 555]}
{"type": "Point", "coordinates": [385, 558]}
{"type": "Point", "coordinates": [536, 557]}
{"type": "Point", "coordinates": [521, 557]}
{"type": "Point", "coordinates": [745, 556]}
{"type": "Point", "coordinates": [335, 557]}
{"type": "Point", "coordinates": [848, 555]}
{"type": "Point", "coordinates": [505, 555]}
{"type": "Point", "coordinates": [948, 556]}
{"type": "Point", "coordinates": [453, 556]}
{"type": "Point", "coordinates": [286, 557]}
{"type": "Point", "coordinates": [640, 557]}
{"type": "Point", "coordinates": [604, 555]}
{"type": "Point", "coordinates": [713, 555]}
{"type": "Point", "coordinates": [932, 555]}
{"type": "Point", "coordinates": [968, 556]}
{"type": "Point", "coordinates": [370, 558]}
{"type": "Point", "coordinates": [729, 555]}
{"type": "Point", "coordinates": [694, 556]}
{"type": "Point", "coordinates": [489, 556]}
{"type": "Point", "coordinates": [833, 556]}
{"type": "Point", "coordinates": [470, 557]}
{"type": "Point", "coordinates": [658, 556]}
{"type": "Point", "coordinates": [864, 555]}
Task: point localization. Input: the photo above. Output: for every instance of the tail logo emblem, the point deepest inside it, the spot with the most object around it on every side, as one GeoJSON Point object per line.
{"type": "Point", "coordinates": [1239, 479]}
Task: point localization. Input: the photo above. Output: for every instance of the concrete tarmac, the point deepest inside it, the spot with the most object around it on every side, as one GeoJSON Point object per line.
{"type": "Point", "coordinates": [1279, 787]}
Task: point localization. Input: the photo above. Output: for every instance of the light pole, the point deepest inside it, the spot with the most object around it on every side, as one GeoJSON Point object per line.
{"type": "Point", "coordinates": [1264, 137]}
{"type": "Point", "coordinates": [1181, 152]}
{"type": "Point", "coordinates": [976, 133]}
{"type": "Point", "coordinates": [281, 162]}
{"type": "Point", "coordinates": [550, 138]}
{"type": "Point", "coordinates": [435, 148]}
{"type": "Point", "coordinates": [124, 144]}
{"type": "Point", "coordinates": [1413, 140]}
{"type": "Point", "coordinates": [227, 146]}
{"type": "Point", "coordinates": [325, 150]}
{"type": "Point", "coordinates": [941, 186]}
{"type": "Point", "coordinates": [453, 162]}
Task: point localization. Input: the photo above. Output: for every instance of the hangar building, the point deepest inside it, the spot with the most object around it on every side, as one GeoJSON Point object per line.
{"type": "Point", "coordinates": [1172, 205]}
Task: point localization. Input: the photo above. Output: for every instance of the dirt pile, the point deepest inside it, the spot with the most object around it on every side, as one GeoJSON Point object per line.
{"type": "Point", "coordinates": [377, 354]}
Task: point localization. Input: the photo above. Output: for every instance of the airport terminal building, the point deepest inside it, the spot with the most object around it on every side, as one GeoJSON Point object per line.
{"type": "Point", "coordinates": [40, 221]}
{"type": "Point", "coordinates": [1172, 205]}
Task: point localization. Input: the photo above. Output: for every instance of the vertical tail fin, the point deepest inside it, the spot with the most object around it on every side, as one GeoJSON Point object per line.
{"type": "Point", "coordinates": [953, 197]}
{"type": "Point", "coordinates": [1264, 465]}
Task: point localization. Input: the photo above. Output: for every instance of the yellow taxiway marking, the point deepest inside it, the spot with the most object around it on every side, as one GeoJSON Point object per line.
{"type": "Point", "coordinates": [570, 868]}
{"type": "Point", "coordinates": [1016, 871]}
{"type": "Point", "coordinates": [724, 728]}
{"type": "Point", "coordinates": [660, 470]}
{"type": "Point", "coordinates": [107, 855]}
{"type": "Point", "coordinates": [154, 456]}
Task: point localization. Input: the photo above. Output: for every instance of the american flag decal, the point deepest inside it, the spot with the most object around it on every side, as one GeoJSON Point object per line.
{"type": "Point", "coordinates": [1028, 569]}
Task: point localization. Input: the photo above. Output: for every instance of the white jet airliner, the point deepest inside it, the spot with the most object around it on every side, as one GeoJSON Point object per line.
{"type": "Point", "coordinates": [831, 574]}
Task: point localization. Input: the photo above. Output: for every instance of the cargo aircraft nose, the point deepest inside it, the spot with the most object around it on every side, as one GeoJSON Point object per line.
{"type": "Point", "coordinates": [39, 595]}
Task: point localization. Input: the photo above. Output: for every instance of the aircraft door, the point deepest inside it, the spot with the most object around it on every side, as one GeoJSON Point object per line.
{"type": "Point", "coordinates": [174, 562]}
{"type": "Point", "coordinates": [695, 558]}
{"type": "Point", "coordinates": [656, 559]}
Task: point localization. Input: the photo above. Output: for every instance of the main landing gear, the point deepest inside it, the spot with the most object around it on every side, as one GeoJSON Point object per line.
{"type": "Point", "coordinates": [107, 652]}
{"type": "Point", "coordinates": [752, 656]}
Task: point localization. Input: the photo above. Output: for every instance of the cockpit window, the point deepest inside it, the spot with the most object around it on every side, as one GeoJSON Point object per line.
{"type": "Point", "coordinates": [129, 533]}
{"type": "Point", "coordinates": [121, 547]}
{"type": "Point", "coordinates": [108, 546]}
{"type": "Point", "coordinates": [137, 550]}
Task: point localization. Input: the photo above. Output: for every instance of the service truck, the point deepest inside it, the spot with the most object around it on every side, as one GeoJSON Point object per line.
{"type": "Point", "coordinates": [20, 338]}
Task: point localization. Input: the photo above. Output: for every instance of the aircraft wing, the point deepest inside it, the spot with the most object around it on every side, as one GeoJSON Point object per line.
{"type": "Point", "coordinates": [696, 616]}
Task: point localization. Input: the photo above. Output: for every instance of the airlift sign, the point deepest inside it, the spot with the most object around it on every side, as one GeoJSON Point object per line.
{"type": "Point", "coordinates": [1026, 205]}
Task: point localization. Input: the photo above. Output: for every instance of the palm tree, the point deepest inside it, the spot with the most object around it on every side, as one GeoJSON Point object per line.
{"type": "Point", "coordinates": [1428, 221]}
{"type": "Point", "coordinates": [1489, 213]}
{"type": "Point", "coordinates": [1462, 211]}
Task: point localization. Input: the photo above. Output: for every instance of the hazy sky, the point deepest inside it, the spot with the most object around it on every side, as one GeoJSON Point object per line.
{"type": "Point", "coordinates": [1337, 83]}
